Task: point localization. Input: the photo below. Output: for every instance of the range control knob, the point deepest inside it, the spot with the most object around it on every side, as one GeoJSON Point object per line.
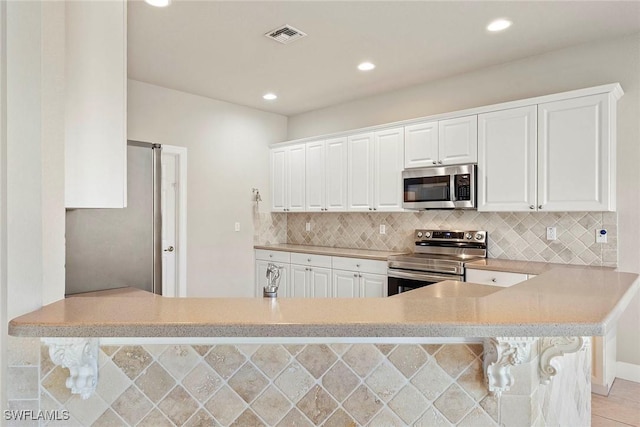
{"type": "Point", "coordinates": [427, 234]}
{"type": "Point", "coordinates": [479, 236]}
{"type": "Point", "coordinates": [468, 236]}
{"type": "Point", "coordinates": [419, 234]}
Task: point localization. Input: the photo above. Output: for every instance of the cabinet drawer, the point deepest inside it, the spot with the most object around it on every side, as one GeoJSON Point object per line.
{"type": "Point", "coordinates": [362, 265]}
{"type": "Point", "coordinates": [310, 259]}
{"type": "Point", "coordinates": [276, 256]}
{"type": "Point", "coordinates": [494, 278]}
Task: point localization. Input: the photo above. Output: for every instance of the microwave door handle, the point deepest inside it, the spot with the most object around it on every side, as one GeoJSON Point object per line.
{"type": "Point", "coordinates": [452, 188]}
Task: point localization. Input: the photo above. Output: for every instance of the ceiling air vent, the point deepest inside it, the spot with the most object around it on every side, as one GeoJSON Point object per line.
{"type": "Point", "coordinates": [285, 34]}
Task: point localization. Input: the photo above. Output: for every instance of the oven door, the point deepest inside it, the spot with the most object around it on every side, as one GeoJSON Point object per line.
{"type": "Point", "coordinates": [406, 280]}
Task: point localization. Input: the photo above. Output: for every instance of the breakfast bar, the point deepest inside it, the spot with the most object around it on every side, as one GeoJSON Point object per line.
{"type": "Point", "coordinates": [453, 352]}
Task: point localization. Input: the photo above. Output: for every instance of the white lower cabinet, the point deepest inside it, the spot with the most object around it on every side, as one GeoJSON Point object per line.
{"type": "Point", "coordinates": [321, 276]}
{"type": "Point", "coordinates": [310, 282]}
{"type": "Point", "coordinates": [494, 278]}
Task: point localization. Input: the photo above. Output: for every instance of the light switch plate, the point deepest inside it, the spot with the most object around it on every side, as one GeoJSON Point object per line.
{"type": "Point", "coordinates": [308, 226]}
{"type": "Point", "coordinates": [551, 233]}
{"type": "Point", "coordinates": [237, 226]}
{"type": "Point", "coordinates": [383, 229]}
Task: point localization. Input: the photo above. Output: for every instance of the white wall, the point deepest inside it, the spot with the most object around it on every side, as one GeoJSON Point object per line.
{"type": "Point", "coordinates": [573, 68]}
{"type": "Point", "coordinates": [228, 155]}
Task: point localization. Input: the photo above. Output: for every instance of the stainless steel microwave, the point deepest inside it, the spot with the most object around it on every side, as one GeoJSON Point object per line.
{"type": "Point", "coordinates": [448, 187]}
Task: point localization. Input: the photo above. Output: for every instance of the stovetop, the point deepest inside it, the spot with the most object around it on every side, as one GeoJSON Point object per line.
{"type": "Point", "coordinates": [442, 251]}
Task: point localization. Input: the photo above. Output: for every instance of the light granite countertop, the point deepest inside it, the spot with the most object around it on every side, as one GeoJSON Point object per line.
{"type": "Point", "coordinates": [329, 251]}
{"type": "Point", "coordinates": [564, 301]}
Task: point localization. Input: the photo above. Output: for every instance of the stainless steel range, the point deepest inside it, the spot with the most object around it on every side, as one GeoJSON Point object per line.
{"type": "Point", "coordinates": [438, 255]}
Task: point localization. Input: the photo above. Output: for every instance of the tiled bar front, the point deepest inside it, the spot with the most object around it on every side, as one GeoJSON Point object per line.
{"type": "Point", "coordinates": [330, 384]}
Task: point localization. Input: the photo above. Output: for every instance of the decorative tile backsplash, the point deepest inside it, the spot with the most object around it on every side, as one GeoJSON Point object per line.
{"type": "Point", "coordinates": [280, 385]}
{"type": "Point", "coordinates": [517, 236]}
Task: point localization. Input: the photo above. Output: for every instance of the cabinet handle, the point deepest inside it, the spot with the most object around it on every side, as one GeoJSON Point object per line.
{"type": "Point", "coordinates": [270, 256]}
{"type": "Point", "coordinates": [435, 163]}
{"type": "Point", "coordinates": [308, 259]}
{"type": "Point", "coordinates": [532, 207]}
{"type": "Point", "coordinates": [539, 206]}
{"type": "Point", "coordinates": [358, 265]}
{"type": "Point", "coordinates": [375, 209]}
{"type": "Point", "coordinates": [359, 275]}
{"type": "Point", "coordinates": [440, 161]}
{"type": "Point", "coordinates": [369, 208]}
{"type": "Point", "coordinates": [355, 275]}
{"type": "Point", "coordinates": [494, 280]}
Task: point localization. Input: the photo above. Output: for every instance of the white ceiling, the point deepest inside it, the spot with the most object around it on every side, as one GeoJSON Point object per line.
{"type": "Point", "coordinates": [217, 48]}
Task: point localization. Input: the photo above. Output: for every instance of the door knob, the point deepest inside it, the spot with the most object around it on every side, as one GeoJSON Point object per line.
{"type": "Point", "coordinates": [169, 249]}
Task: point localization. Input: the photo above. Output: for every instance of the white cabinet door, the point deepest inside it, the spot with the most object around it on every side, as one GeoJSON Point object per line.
{"type": "Point", "coordinates": [96, 104]}
{"type": "Point", "coordinates": [421, 145]}
{"type": "Point", "coordinates": [320, 282]}
{"type": "Point", "coordinates": [360, 172]}
{"type": "Point", "coordinates": [295, 177]}
{"type": "Point", "coordinates": [346, 284]}
{"type": "Point", "coordinates": [576, 154]}
{"type": "Point", "coordinates": [299, 285]}
{"type": "Point", "coordinates": [389, 160]}
{"type": "Point", "coordinates": [336, 174]}
{"type": "Point", "coordinates": [279, 179]}
{"type": "Point", "coordinates": [373, 285]}
{"type": "Point", "coordinates": [315, 176]}
{"type": "Point", "coordinates": [458, 140]}
{"type": "Point", "coordinates": [261, 278]}
{"type": "Point", "coordinates": [507, 160]}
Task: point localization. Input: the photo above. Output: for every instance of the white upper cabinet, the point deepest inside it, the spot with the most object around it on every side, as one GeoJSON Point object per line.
{"type": "Point", "coordinates": [288, 178]}
{"type": "Point", "coordinates": [375, 170]}
{"type": "Point", "coordinates": [360, 172]}
{"type": "Point", "coordinates": [444, 142]}
{"type": "Point", "coordinates": [279, 179]}
{"type": "Point", "coordinates": [556, 156]}
{"type": "Point", "coordinates": [315, 177]}
{"type": "Point", "coordinates": [336, 174]}
{"type": "Point", "coordinates": [458, 140]}
{"type": "Point", "coordinates": [326, 175]}
{"type": "Point", "coordinates": [389, 160]}
{"type": "Point", "coordinates": [507, 160]}
{"type": "Point", "coordinates": [96, 104]}
{"type": "Point", "coordinates": [576, 154]}
{"type": "Point", "coordinates": [421, 145]}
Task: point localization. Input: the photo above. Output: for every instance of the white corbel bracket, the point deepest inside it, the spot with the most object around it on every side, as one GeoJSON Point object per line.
{"type": "Point", "coordinates": [500, 354]}
{"type": "Point", "coordinates": [80, 356]}
{"type": "Point", "coordinates": [552, 347]}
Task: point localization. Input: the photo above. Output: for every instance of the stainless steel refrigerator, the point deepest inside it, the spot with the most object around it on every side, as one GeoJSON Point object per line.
{"type": "Point", "coordinates": [115, 248]}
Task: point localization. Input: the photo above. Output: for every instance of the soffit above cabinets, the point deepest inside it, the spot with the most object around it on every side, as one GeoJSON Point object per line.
{"type": "Point", "coordinates": [217, 49]}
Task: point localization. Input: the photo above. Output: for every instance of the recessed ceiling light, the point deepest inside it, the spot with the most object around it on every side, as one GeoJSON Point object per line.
{"type": "Point", "coordinates": [499, 25]}
{"type": "Point", "coordinates": [366, 66]}
{"type": "Point", "coordinates": [270, 96]}
{"type": "Point", "coordinates": [158, 3]}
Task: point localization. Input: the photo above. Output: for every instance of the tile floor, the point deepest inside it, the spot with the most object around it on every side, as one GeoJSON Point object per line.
{"type": "Point", "coordinates": [621, 408]}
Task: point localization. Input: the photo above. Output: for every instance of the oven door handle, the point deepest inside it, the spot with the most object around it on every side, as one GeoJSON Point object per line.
{"type": "Point", "coordinates": [422, 277]}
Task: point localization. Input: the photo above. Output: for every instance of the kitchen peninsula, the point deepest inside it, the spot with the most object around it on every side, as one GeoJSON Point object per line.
{"type": "Point", "coordinates": [365, 359]}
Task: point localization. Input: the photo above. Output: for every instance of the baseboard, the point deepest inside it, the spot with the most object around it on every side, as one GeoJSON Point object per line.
{"type": "Point", "coordinates": [628, 371]}
{"type": "Point", "coordinates": [599, 389]}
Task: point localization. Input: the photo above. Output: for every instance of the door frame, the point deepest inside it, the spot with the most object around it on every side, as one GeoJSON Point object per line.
{"type": "Point", "coordinates": [181, 260]}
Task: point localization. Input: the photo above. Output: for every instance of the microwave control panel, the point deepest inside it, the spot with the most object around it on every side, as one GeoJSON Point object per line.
{"type": "Point", "coordinates": [463, 187]}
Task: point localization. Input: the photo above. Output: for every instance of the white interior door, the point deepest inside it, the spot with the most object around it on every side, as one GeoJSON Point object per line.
{"type": "Point", "coordinates": [169, 224]}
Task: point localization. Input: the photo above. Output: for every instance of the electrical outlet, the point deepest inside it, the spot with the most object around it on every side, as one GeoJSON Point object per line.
{"type": "Point", "coordinates": [383, 229]}
{"type": "Point", "coordinates": [551, 233]}
{"type": "Point", "coordinates": [237, 226]}
{"type": "Point", "coordinates": [308, 226]}
{"type": "Point", "coordinates": [601, 235]}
